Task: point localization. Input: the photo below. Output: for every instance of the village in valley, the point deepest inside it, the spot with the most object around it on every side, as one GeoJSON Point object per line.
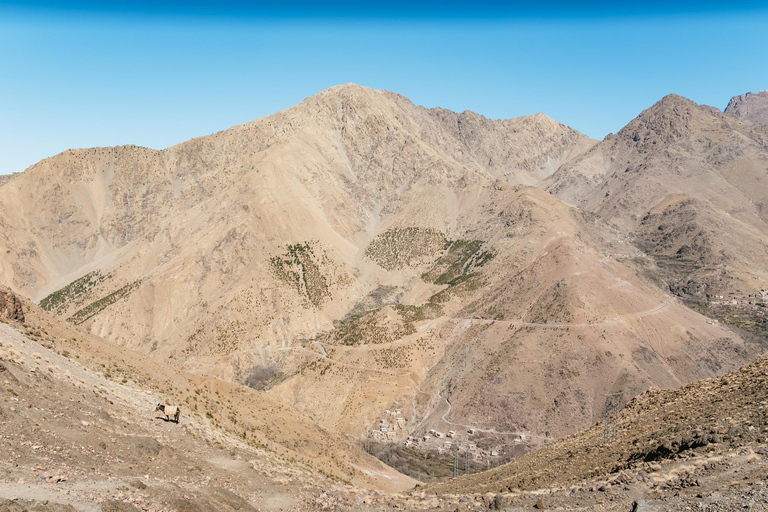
{"type": "Point", "coordinates": [474, 445]}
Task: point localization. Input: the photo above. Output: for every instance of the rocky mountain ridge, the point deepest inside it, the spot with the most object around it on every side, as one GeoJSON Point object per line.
{"type": "Point", "coordinates": [752, 107]}
{"type": "Point", "coordinates": [687, 184]}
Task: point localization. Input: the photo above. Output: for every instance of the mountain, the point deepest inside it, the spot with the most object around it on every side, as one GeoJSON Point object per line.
{"type": "Point", "coordinates": [687, 184]}
{"type": "Point", "coordinates": [383, 270]}
{"type": "Point", "coordinates": [522, 347]}
{"type": "Point", "coordinates": [752, 107]}
{"type": "Point", "coordinates": [335, 168]}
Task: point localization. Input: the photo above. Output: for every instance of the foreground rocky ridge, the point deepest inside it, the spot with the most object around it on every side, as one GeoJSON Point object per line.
{"type": "Point", "coordinates": [705, 443]}
{"type": "Point", "coordinates": [79, 408]}
{"type": "Point", "coordinates": [723, 413]}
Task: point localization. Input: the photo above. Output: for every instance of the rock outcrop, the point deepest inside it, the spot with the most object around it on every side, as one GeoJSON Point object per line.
{"type": "Point", "coordinates": [10, 306]}
{"type": "Point", "coordinates": [752, 107]}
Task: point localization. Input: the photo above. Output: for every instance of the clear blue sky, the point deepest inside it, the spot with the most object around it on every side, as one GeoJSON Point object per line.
{"type": "Point", "coordinates": [158, 73]}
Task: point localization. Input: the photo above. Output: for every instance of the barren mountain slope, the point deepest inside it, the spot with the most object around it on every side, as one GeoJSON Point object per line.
{"type": "Point", "coordinates": [521, 349]}
{"type": "Point", "coordinates": [752, 107]}
{"type": "Point", "coordinates": [52, 355]}
{"type": "Point", "coordinates": [192, 229]}
{"type": "Point", "coordinates": [356, 255]}
{"type": "Point", "coordinates": [73, 437]}
{"type": "Point", "coordinates": [689, 184]}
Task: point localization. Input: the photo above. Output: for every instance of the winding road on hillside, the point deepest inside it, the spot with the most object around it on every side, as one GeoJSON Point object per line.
{"type": "Point", "coordinates": [489, 430]}
{"type": "Point", "coordinates": [445, 420]}
{"type": "Point", "coordinates": [423, 329]}
{"type": "Point", "coordinates": [639, 314]}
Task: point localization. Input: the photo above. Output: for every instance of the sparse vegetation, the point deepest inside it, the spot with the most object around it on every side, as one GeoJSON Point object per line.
{"type": "Point", "coordinates": [61, 298]}
{"type": "Point", "coordinates": [403, 247]}
{"type": "Point", "coordinates": [374, 327]}
{"type": "Point", "coordinates": [459, 262]}
{"type": "Point", "coordinates": [381, 296]}
{"type": "Point", "coordinates": [100, 305]}
{"type": "Point", "coordinates": [419, 313]}
{"type": "Point", "coordinates": [300, 267]}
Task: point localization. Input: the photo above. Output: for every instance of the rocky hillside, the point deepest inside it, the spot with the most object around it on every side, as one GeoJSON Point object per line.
{"type": "Point", "coordinates": [388, 271]}
{"type": "Point", "coordinates": [353, 152]}
{"type": "Point", "coordinates": [97, 444]}
{"type": "Point", "coordinates": [114, 391]}
{"type": "Point", "coordinates": [752, 107]}
{"type": "Point", "coordinates": [269, 221]}
{"type": "Point", "coordinates": [673, 447]}
{"type": "Point", "coordinates": [687, 184]}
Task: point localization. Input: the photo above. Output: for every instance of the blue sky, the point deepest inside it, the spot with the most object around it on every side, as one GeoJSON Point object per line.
{"type": "Point", "coordinates": [158, 73]}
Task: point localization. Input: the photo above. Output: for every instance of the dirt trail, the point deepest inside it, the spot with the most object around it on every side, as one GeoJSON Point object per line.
{"type": "Point", "coordinates": [488, 430]}
{"type": "Point", "coordinates": [423, 329]}
{"type": "Point", "coordinates": [639, 314]}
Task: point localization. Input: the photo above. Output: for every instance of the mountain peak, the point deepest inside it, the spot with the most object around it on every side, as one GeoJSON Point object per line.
{"type": "Point", "coordinates": [350, 96]}
{"type": "Point", "coordinates": [752, 107]}
{"type": "Point", "coordinates": [673, 101]}
{"type": "Point", "coordinates": [667, 120]}
{"type": "Point", "coordinates": [352, 90]}
{"type": "Point", "coordinates": [347, 88]}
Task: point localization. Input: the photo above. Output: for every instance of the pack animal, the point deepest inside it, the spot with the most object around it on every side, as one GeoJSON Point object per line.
{"type": "Point", "coordinates": [172, 412]}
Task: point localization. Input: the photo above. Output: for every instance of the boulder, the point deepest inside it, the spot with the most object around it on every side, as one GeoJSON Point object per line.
{"type": "Point", "coordinates": [10, 306]}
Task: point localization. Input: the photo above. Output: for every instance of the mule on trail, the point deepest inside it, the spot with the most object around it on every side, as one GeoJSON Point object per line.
{"type": "Point", "coordinates": [172, 412]}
